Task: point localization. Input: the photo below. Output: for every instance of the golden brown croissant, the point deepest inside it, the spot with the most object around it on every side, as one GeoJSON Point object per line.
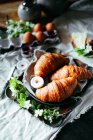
{"type": "Point", "coordinates": [48, 63]}
{"type": "Point", "coordinates": [71, 70]}
{"type": "Point", "coordinates": [57, 90]}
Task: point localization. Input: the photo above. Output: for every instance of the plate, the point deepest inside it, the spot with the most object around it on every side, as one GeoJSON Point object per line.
{"type": "Point", "coordinates": [68, 102]}
{"type": "Point", "coordinates": [30, 72]}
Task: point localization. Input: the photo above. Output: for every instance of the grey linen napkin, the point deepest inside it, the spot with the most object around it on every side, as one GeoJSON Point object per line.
{"type": "Point", "coordinates": [18, 123]}
{"type": "Point", "coordinates": [15, 122]}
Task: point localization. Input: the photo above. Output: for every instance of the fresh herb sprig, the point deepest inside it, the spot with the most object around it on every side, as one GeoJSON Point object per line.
{"type": "Point", "coordinates": [15, 28]}
{"type": "Point", "coordinates": [50, 114]}
{"type": "Point", "coordinates": [84, 52]}
{"type": "Point", "coordinates": [19, 91]}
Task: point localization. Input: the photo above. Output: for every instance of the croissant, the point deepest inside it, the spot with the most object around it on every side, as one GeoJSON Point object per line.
{"type": "Point", "coordinates": [57, 90]}
{"type": "Point", "coordinates": [48, 63]}
{"type": "Point", "coordinates": [71, 70]}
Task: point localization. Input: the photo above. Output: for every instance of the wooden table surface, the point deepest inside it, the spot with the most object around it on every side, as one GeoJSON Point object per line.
{"type": "Point", "coordinates": [8, 10]}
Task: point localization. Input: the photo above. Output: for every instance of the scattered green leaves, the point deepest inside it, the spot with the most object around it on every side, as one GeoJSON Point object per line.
{"type": "Point", "coordinates": [84, 52]}
{"type": "Point", "coordinates": [47, 114]}
{"type": "Point", "coordinates": [15, 28]}
{"type": "Point", "coordinates": [50, 114]}
{"type": "Point", "coordinates": [16, 84]}
{"type": "Point", "coordinates": [17, 87]}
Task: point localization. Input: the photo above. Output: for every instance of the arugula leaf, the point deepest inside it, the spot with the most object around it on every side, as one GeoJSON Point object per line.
{"type": "Point", "coordinates": [22, 96]}
{"type": "Point", "coordinates": [21, 102]}
{"type": "Point", "coordinates": [16, 84]}
{"type": "Point", "coordinates": [38, 107]}
{"type": "Point", "coordinates": [20, 90]}
{"type": "Point", "coordinates": [21, 99]}
{"type": "Point", "coordinates": [79, 51]}
{"type": "Point", "coordinates": [84, 52]}
{"type": "Point", "coordinates": [33, 106]}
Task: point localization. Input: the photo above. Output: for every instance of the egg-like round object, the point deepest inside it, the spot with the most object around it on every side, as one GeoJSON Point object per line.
{"type": "Point", "coordinates": [22, 64]}
{"type": "Point", "coordinates": [28, 37]}
{"type": "Point", "coordinates": [38, 27]}
{"type": "Point", "coordinates": [37, 82]}
{"type": "Point", "coordinates": [40, 36]}
{"type": "Point", "coordinates": [50, 27]}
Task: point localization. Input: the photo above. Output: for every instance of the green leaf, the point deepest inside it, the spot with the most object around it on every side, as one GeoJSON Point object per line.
{"type": "Point", "coordinates": [22, 96]}
{"type": "Point", "coordinates": [84, 52]}
{"type": "Point", "coordinates": [23, 90]}
{"type": "Point", "coordinates": [50, 114]}
{"type": "Point", "coordinates": [15, 28]}
{"type": "Point", "coordinates": [38, 107]}
{"type": "Point", "coordinates": [21, 102]}
{"type": "Point", "coordinates": [21, 99]}
{"type": "Point", "coordinates": [79, 51]}
{"type": "Point", "coordinates": [33, 106]}
{"type": "Point", "coordinates": [13, 83]}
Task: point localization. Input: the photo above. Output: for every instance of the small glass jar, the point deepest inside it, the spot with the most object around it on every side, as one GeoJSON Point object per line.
{"type": "Point", "coordinates": [26, 50]}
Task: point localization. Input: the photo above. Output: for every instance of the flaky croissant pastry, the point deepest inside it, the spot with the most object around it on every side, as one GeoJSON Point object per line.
{"type": "Point", "coordinates": [68, 71]}
{"type": "Point", "coordinates": [48, 63]}
{"type": "Point", "coordinates": [57, 90]}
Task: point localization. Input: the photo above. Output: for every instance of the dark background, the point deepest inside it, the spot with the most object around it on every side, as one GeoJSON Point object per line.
{"type": "Point", "coordinates": [80, 129]}
{"type": "Point", "coordinates": [2, 1]}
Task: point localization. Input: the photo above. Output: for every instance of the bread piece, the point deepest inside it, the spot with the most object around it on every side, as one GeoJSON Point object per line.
{"type": "Point", "coordinates": [48, 63]}
{"type": "Point", "coordinates": [79, 40]}
{"type": "Point", "coordinates": [72, 71]}
{"type": "Point", "coordinates": [57, 90]}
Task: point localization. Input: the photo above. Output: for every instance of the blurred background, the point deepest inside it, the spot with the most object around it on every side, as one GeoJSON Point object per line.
{"type": "Point", "coordinates": [51, 8]}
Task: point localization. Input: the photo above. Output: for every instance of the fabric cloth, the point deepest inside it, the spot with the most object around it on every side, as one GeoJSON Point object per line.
{"type": "Point", "coordinates": [17, 123]}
